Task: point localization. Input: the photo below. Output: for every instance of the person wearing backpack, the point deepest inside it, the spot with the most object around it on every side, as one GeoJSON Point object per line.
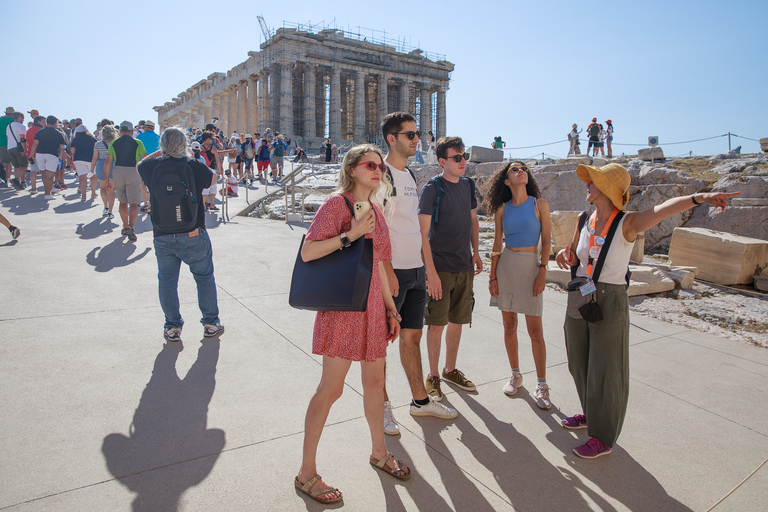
{"type": "Point", "coordinates": [594, 136]}
{"type": "Point", "coordinates": [263, 158]}
{"type": "Point", "coordinates": [248, 152]}
{"type": "Point", "coordinates": [278, 156]}
{"type": "Point", "coordinates": [176, 184]}
{"type": "Point", "coordinates": [449, 241]}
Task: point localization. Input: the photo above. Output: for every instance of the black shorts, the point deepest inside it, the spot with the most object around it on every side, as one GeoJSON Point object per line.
{"type": "Point", "coordinates": [412, 297]}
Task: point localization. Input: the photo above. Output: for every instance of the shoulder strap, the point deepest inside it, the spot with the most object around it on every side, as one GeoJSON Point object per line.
{"type": "Point", "coordinates": [606, 245]}
{"type": "Point", "coordinates": [349, 205]}
{"type": "Point", "coordinates": [582, 220]}
{"type": "Point", "coordinates": [410, 171]}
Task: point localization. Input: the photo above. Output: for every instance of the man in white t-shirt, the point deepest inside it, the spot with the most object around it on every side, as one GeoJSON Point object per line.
{"type": "Point", "coordinates": [16, 134]}
{"type": "Point", "coordinates": [406, 273]}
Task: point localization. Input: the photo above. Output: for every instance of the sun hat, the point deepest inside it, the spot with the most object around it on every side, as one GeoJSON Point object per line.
{"type": "Point", "coordinates": [33, 112]}
{"type": "Point", "coordinates": [195, 145]}
{"type": "Point", "coordinates": [10, 110]}
{"type": "Point", "coordinates": [149, 124]}
{"type": "Point", "coordinates": [612, 180]}
{"type": "Point", "coordinates": [81, 129]}
{"type": "Point", "coordinates": [248, 136]}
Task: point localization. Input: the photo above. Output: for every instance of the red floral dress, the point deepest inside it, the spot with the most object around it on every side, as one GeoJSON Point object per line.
{"type": "Point", "coordinates": [357, 336]}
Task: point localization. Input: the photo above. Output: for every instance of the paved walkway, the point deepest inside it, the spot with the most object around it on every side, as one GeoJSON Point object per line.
{"type": "Point", "coordinates": [99, 414]}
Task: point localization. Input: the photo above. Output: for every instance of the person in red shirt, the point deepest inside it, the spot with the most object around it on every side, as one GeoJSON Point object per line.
{"type": "Point", "coordinates": [39, 123]}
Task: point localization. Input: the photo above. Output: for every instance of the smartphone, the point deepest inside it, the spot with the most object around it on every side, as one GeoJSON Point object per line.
{"type": "Point", "coordinates": [361, 208]}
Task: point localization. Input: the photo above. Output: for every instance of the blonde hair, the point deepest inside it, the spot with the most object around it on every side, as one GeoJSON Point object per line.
{"type": "Point", "coordinates": [351, 159]}
{"type": "Point", "coordinates": [108, 134]}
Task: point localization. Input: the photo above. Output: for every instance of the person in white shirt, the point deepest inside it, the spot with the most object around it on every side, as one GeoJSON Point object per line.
{"type": "Point", "coordinates": [17, 149]}
{"type": "Point", "coordinates": [406, 273]}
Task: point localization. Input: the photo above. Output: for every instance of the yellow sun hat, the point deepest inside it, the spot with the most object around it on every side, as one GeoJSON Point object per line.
{"type": "Point", "coordinates": [612, 180]}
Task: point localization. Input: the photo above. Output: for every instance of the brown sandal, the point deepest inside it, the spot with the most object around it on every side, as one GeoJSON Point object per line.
{"type": "Point", "coordinates": [402, 472]}
{"type": "Point", "coordinates": [315, 495]}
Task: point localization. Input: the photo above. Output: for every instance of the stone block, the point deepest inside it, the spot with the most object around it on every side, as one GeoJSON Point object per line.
{"type": "Point", "coordinates": [558, 275]}
{"type": "Point", "coordinates": [749, 201]}
{"type": "Point", "coordinates": [599, 162]}
{"type": "Point", "coordinates": [761, 282]}
{"type": "Point", "coordinates": [564, 225]}
{"type": "Point", "coordinates": [648, 154]}
{"type": "Point", "coordinates": [481, 154]}
{"type": "Point", "coordinates": [764, 144]}
{"type": "Point", "coordinates": [683, 278]}
{"type": "Point", "coordinates": [583, 159]}
{"type": "Point", "coordinates": [646, 280]}
{"type": "Point", "coordinates": [721, 258]}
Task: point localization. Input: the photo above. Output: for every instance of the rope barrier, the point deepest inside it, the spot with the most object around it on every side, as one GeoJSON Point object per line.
{"type": "Point", "coordinates": [673, 143]}
{"type": "Point", "coordinates": [739, 136]}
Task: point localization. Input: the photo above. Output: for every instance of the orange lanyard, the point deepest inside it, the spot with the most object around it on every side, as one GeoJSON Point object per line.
{"type": "Point", "coordinates": [600, 240]}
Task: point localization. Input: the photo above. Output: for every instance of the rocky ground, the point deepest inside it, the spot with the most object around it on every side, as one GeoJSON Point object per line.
{"type": "Point", "coordinates": [719, 310]}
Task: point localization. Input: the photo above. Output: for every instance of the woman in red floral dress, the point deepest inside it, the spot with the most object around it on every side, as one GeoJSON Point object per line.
{"type": "Point", "coordinates": [342, 337]}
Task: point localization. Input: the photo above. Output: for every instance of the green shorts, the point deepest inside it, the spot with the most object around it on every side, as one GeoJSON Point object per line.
{"type": "Point", "coordinates": [18, 159]}
{"type": "Point", "coordinates": [457, 303]}
{"type": "Point", "coordinates": [5, 157]}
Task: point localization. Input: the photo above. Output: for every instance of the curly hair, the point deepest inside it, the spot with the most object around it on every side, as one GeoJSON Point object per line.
{"type": "Point", "coordinates": [497, 192]}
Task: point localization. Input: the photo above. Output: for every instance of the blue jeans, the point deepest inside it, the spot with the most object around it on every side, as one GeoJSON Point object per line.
{"type": "Point", "coordinates": [419, 158]}
{"type": "Point", "coordinates": [197, 253]}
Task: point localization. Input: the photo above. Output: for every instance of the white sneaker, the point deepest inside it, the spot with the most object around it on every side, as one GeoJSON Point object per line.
{"type": "Point", "coordinates": [515, 381]}
{"type": "Point", "coordinates": [433, 408]}
{"type": "Point", "coordinates": [542, 396]}
{"type": "Point", "coordinates": [48, 198]}
{"type": "Point", "coordinates": [390, 425]}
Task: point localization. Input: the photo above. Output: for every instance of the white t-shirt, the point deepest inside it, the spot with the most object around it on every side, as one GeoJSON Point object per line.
{"type": "Point", "coordinates": [403, 221]}
{"type": "Point", "coordinates": [615, 266]}
{"type": "Point", "coordinates": [19, 130]}
{"type": "Point", "coordinates": [418, 146]}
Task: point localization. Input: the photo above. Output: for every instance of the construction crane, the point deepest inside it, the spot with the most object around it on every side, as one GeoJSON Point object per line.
{"type": "Point", "coordinates": [264, 29]}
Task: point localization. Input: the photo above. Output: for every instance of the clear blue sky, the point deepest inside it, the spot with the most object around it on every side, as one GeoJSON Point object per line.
{"type": "Point", "coordinates": [681, 70]}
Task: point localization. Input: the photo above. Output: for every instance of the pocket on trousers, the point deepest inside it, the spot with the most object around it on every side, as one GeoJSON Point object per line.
{"type": "Point", "coordinates": [197, 248]}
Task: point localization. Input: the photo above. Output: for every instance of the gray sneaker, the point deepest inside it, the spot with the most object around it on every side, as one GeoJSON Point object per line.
{"type": "Point", "coordinates": [211, 330]}
{"type": "Point", "coordinates": [433, 408]}
{"type": "Point", "coordinates": [542, 396]}
{"type": "Point", "coordinates": [433, 388]}
{"type": "Point", "coordinates": [515, 381]}
{"type": "Point", "coordinates": [172, 334]}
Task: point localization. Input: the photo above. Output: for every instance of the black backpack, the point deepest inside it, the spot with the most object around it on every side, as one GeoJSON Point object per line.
{"type": "Point", "coordinates": [172, 196]}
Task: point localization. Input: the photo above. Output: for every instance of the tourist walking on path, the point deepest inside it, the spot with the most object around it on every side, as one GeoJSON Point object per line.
{"type": "Point", "coordinates": [15, 232]}
{"type": "Point", "coordinates": [263, 158]}
{"type": "Point", "coordinates": [405, 273]}
{"type": "Point", "coordinates": [343, 337]}
{"type": "Point", "coordinates": [180, 237]}
{"type": "Point", "coordinates": [151, 141]}
{"type": "Point", "coordinates": [609, 137]}
{"type": "Point", "coordinates": [16, 133]}
{"type": "Point", "coordinates": [598, 350]}
{"type": "Point", "coordinates": [83, 144]}
{"type": "Point", "coordinates": [5, 157]}
{"type": "Point", "coordinates": [99, 159]}
{"type": "Point", "coordinates": [46, 150]}
{"type": "Point", "coordinates": [279, 149]}
{"type": "Point", "coordinates": [573, 137]}
{"type": "Point", "coordinates": [518, 270]}
{"type": "Point", "coordinates": [126, 152]}
{"type": "Point", "coordinates": [38, 124]}
{"type": "Point", "coordinates": [449, 240]}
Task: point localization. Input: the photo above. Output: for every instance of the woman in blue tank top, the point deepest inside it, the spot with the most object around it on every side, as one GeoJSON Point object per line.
{"type": "Point", "coordinates": [518, 276]}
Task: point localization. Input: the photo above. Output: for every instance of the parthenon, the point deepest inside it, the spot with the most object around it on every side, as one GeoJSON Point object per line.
{"type": "Point", "coordinates": [312, 85]}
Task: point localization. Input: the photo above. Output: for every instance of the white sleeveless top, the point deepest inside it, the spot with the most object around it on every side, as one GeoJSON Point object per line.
{"type": "Point", "coordinates": [615, 265]}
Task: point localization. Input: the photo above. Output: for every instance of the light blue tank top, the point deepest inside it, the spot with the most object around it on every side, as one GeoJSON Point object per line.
{"type": "Point", "coordinates": [521, 227]}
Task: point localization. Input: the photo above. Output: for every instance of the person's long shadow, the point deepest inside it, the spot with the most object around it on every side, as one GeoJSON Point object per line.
{"type": "Point", "coordinates": [529, 480]}
{"type": "Point", "coordinates": [170, 448]}
{"type": "Point", "coordinates": [23, 205]}
{"type": "Point", "coordinates": [618, 474]}
{"type": "Point", "coordinates": [95, 228]}
{"type": "Point", "coordinates": [115, 254]}
{"type": "Point", "coordinates": [74, 205]}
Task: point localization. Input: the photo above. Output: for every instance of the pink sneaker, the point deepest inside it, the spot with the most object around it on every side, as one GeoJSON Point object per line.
{"type": "Point", "coordinates": [575, 422]}
{"type": "Point", "coordinates": [592, 449]}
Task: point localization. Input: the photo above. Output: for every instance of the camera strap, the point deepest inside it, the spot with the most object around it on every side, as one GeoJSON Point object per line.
{"type": "Point", "coordinates": [604, 249]}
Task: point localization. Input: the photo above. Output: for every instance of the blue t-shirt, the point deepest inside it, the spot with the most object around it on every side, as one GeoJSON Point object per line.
{"type": "Point", "coordinates": [83, 145]}
{"type": "Point", "coordinates": [150, 139]}
{"type": "Point", "coordinates": [451, 240]}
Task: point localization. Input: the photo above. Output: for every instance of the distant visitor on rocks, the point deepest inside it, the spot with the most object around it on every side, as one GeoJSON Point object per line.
{"type": "Point", "coordinates": [573, 138]}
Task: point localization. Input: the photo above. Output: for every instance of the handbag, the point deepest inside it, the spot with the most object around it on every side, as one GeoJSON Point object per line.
{"type": "Point", "coordinates": [339, 281]}
{"type": "Point", "coordinates": [585, 306]}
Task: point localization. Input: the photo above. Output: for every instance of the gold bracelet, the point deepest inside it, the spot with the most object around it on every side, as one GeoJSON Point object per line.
{"type": "Point", "coordinates": [496, 253]}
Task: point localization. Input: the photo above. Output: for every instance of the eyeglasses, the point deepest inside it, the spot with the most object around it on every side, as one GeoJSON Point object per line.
{"type": "Point", "coordinates": [410, 135]}
{"type": "Point", "coordinates": [458, 158]}
{"type": "Point", "coordinates": [372, 166]}
{"type": "Point", "coordinates": [517, 170]}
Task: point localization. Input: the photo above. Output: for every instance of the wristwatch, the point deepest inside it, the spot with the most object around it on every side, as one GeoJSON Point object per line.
{"type": "Point", "coordinates": [345, 243]}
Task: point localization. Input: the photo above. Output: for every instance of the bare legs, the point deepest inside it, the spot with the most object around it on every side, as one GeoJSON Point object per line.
{"type": "Point", "coordinates": [410, 357]}
{"type": "Point", "coordinates": [434, 341]}
{"type": "Point", "coordinates": [107, 190]}
{"type": "Point", "coordinates": [128, 213]}
{"type": "Point", "coordinates": [536, 333]}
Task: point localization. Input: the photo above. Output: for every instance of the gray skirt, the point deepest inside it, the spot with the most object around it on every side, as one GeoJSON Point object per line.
{"type": "Point", "coordinates": [515, 274]}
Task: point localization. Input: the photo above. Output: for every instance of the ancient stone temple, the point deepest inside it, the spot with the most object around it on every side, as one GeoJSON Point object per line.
{"type": "Point", "coordinates": [311, 85]}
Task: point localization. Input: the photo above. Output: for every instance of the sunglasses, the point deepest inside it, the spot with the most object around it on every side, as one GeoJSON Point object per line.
{"type": "Point", "coordinates": [372, 166]}
{"type": "Point", "coordinates": [458, 158]}
{"type": "Point", "coordinates": [410, 135]}
{"type": "Point", "coordinates": [517, 170]}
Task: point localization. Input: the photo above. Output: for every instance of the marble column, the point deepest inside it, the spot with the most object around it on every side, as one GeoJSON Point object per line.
{"type": "Point", "coordinates": [405, 96]}
{"type": "Point", "coordinates": [232, 109]}
{"type": "Point", "coordinates": [440, 128]}
{"type": "Point", "coordinates": [382, 97]}
{"type": "Point", "coordinates": [309, 104]}
{"type": "Point", "coordinates": [216, 108]}
{"type": "Point", "coordinates": [253, 105]}
{"type": "Point", "coordinates": [263, 103]}
{"type": "Point", "coordinates": [224, 112]}
{"type": "Point", "coordinates": [335, 107]}
{"type": "Point", "coordinates": [359, 124]}
{"type": "Point", "coordinates": [286, 99]}
{"type": "Point", "coordinates": [242, 110]}
{"type": "Point", "coordinates": [207, 111]}
{"type": "Point", "coordinates": [426, 114]}
{"type": "Point", "coordinates": [201, 115]}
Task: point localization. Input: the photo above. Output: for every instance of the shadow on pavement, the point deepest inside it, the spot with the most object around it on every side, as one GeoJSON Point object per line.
{"type": "Point", "coordinates": [23, 204]}
{"type": "Point", "coordinates": [170, 448]}
{"type": "Point", "coordinates": [95, 228]}
{"type": "Point", "coordinates": [116, 254]}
